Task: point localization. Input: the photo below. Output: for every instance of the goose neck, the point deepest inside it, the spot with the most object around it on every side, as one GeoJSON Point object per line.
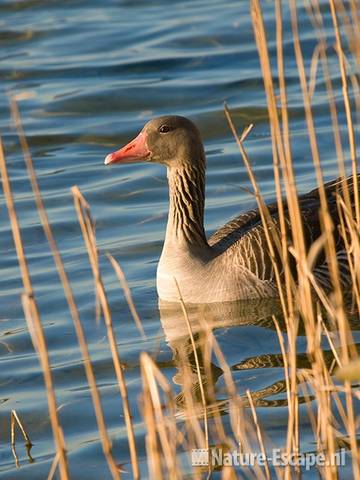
{"type": "Point", "coordinates": [186, 206]}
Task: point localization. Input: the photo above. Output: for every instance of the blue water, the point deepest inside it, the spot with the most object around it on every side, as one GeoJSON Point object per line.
{"type": "Point", "coordinates": [94, 74]}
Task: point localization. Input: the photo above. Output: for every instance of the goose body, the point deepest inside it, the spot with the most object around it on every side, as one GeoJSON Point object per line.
{"type": "Point", "coordinates": [234, 263]}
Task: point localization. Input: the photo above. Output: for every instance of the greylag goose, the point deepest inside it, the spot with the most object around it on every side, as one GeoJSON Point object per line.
{"type": "Point", "coordinates": [234, 263]}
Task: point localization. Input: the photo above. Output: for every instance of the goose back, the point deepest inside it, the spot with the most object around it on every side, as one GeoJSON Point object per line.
{"type": "Point", "coordinates": [243, 238]}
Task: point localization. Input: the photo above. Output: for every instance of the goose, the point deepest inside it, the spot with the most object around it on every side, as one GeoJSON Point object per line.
{"type": "Point", "coordinates": [234, 263]}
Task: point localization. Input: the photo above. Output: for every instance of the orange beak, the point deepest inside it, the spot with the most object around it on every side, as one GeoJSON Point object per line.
{"type": "Point", "coordinates": [135, 151]}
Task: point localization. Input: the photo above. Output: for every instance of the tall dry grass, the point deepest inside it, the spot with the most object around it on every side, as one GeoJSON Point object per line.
{"type": "Point", "coordinates": [176, 427]}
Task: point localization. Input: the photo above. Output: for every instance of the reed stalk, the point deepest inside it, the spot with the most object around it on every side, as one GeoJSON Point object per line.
{"type": "Point", "coordinates": [33, 317]}
{"type": "Point", "coordinates": [86, 224]}
{"type": "Point", "coordinates": [175, 424]}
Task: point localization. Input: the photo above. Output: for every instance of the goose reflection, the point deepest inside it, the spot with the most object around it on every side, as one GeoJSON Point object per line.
{"type": "Point", "coordinates": [221, 319]}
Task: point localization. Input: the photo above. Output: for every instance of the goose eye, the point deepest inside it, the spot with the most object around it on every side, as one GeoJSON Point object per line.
{"type": "Point", "coordinates": [164, 129]}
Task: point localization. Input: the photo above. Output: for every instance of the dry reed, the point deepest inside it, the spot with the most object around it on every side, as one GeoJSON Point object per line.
{"type": "Point", "coordinates": [33, 318]}
{"type": "Point", "coordinates": [29, 304]}
{"type": "Point", "coordinates": [88, 232]}
{"type": "Point", "coordinates": [192, 420]}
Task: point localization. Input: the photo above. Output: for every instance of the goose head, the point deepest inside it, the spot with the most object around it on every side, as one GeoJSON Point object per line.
{"type": "Point", "coordinates": [173, 141]}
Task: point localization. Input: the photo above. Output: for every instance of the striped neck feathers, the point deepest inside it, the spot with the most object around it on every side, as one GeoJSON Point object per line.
{"type": "Point", "coordinates": [187, 201]}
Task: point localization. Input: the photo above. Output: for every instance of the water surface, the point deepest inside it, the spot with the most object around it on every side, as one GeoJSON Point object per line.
{"type": "Point", "coordinates": [96, 72]}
